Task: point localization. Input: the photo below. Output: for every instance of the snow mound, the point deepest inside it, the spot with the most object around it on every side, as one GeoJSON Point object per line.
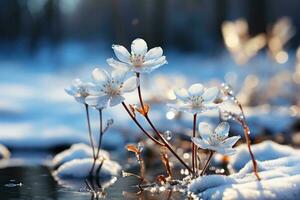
{"type": "Point", "coordinates": [266, 150]}
{"type": "Point", "coordinates": [77, 151]}
{"type": "Point", "coordinates": [80, 168]}
{"type": "Point", "coordinates": [280, 180]}
{"type": "Point", "coordinates": [4, 152]}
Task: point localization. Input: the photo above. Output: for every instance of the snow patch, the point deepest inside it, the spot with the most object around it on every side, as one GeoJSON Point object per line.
{"type": "Point", "coordinates": [4, 152]}
{"type": "Point", "coordinates": [80, 168]}
{"type": "Point", "coordinates": [77, 151]}
{"type": "Point", "coordinates": [280, 178]}
{"type": "Point", "coordinates": [266, 150]}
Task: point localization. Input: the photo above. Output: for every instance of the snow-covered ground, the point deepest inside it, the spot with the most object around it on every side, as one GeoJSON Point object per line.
{"type": "Point", "coordinates": [4, 152]}
{"type": "Point", "coordinates": [280, 174]}
{"type": "Point", "coordinates": [266, 150]}
{"type": "Point", "coordinates": [80, 168]}
{"type": "Point", "coordinates": [77, 151]}
{"type": "Point", "coordinates": [76, 162]}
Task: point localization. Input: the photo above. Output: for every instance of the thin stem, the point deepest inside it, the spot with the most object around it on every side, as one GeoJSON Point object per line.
{"type": "Point", "coordinates": [245, 126]}
{"type": "Point", "coordinates": [211, 153]}
{"type": "Point", "coordinates": [90, 136]}
{"type": "Point", "coordinates": [139, 91]}
{"type": "Point", "coordinates": [166, 144]}
{"type": "Point", "coordinates": [100, 141]}
{"type": "Point", "coordinates": [140, 126]}
{"type": "Point", "coordinates": [194, 152]}
{"type": "Point", "coordinates": [100, 133]}
{"type": "Point", "coordinates": [246, 133]}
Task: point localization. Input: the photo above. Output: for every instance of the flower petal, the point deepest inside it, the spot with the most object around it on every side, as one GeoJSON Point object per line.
{"type": "Point", "coordinates": [115, 100]}
{"type": "Point", "coordinates": [139, 47]}
{"type": "Point", "coordinates": [116, 64]}
{"type": "Point", "coordinates": [200, 143]}
{"type": "Point", "coordinates": [150, 65]}
{"type": "Point", "coordinates": [205, 130]}
{"type": "Point", "coordinates": [77, 82]}
{"type": "Point", "coordinates": [119, 75]}
{"type": "Point", "coordinates": [71, 91]}
{"type": "Point", "coordinates": [95, 90]}
{"type": "Point", "coordinates": [226, 151]}
{"type": "Point", "coordinates": [229, 142]}
{"type": "Point", "coordinates": [129, 85]}
{"type": "Point", "coordinates": [222, 130]}
{"type": "Point", "coordinates": [154, 53]}
{"type": "Point", "coordinates": [210, 94]}
{"type": "Point", "coordinates": [97, 101]}
{"type": "Point", "coordinates": [181, 94]}
{"type": "Point", "coordinates": [80, 99]}
{"type": "Point", "coordinates": [100, 75]}
{"type": "Point", "coordinates": [196, 89]}
{"type": "Point", "coordinates": [121, 53]}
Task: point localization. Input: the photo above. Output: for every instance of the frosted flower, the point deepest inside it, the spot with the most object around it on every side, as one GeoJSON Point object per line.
{"type": "Point", "coordinates": [217, 139]}
{"type": "Point", "coordinates": [79, 90]}
{"type": "Point", "coordinates": [140, 60]}
{"type": "Point", "coordinates": [108, 89]}
{"type": "Point", "coordinates": [196, 99]}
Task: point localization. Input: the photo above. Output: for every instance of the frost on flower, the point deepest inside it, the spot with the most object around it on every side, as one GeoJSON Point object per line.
{"type": "Point", "coordinates": [140, 60]}
{"type": "Point", "coordinates": [196, 99]}
{"type": "Point", "coordinates": [79, 90]}
{"type": "Point", "coordinates": [108, 89]}
{"type": "Point", "coordinates": [216, 139]}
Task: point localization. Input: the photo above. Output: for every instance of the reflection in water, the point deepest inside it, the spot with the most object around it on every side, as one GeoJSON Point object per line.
{"type": "Point", "coordinates": [38, 183]}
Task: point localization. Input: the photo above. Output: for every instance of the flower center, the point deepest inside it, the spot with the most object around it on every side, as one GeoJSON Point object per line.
{"type": "Point", "coordinates": [112, 88]}
{"type": "Point", "coordinates": [83, 92]}
{"type": "Point", "coordinates": [196, 101]}
{"type": "Point", "coordinates": [137, 60]}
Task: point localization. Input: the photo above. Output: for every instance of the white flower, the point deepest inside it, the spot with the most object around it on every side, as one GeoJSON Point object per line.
{"type": "Point", "coordinates": [108, 89]}
{"type": "Point", "coordinates": [140, 60]}
{"type": "Point", "coordinates": [216, 140]}
{"type": "Point", "coordinates": [79, 90]}
{"type": "Point", "coordinates": [196, 99]}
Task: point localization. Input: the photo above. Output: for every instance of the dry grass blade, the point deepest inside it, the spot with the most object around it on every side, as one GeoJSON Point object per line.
{"type": "Point", "coordinates": [133, 149]}
{"type": "Point", "coordinates": [132, 110]}
{"type": "Point", "coordinates": [165, 160]}
{"type": "Point", "coordinates": [137, 152]}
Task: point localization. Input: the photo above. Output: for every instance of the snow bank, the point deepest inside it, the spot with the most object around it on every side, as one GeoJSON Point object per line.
{"type": "Point", "coordinates": [80, 168]}
{"type": "Point", "coordinates": [4, 152]}
{"type": "Point", "coordinates": [266, 150]}
{"type": "Point", "coordinates": [77, 151]}
{"type": "Point", "coordinates": [280, 180]}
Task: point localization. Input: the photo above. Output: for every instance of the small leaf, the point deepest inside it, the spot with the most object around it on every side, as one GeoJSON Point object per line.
{"type": "Point", "coordinates": [132, 109]}
{"type": "Point", "coordinates": [165, 160]}
{"type": "Point", "coordinates": [161, 179]}
{"type": "Point", "coordinates": [132, 148]}
{"type": "Point", "coordinates": [144, 111]}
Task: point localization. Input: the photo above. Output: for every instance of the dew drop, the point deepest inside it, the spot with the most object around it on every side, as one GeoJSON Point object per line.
{"type": "Point", "coordinates": [140, 146]}
{"type": "Point", "coordinates": [168, 135]}
{"type": "Point", "coordinates": [110, 122]}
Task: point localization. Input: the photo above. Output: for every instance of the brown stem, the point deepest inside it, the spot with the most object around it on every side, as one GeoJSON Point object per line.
{"type": "Point", "coordinates": [254, 163]}
{"type": "Point", "coordinates": [194, 152]}
{"type": "Point", "coordinates": [166, 144]}
{"type": "Point", "coordinates": [245, 126]}
{"type": "Point", "coordinates": [139, 91]}
{"type": "Point", "coordinates": [246, 133]}
{"type": "Point", "coordinates": [211, 153]}
{"type": "Point", "coordinates": [90, 135]}
{"type": "Point", "coordinates": [139, 125]}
